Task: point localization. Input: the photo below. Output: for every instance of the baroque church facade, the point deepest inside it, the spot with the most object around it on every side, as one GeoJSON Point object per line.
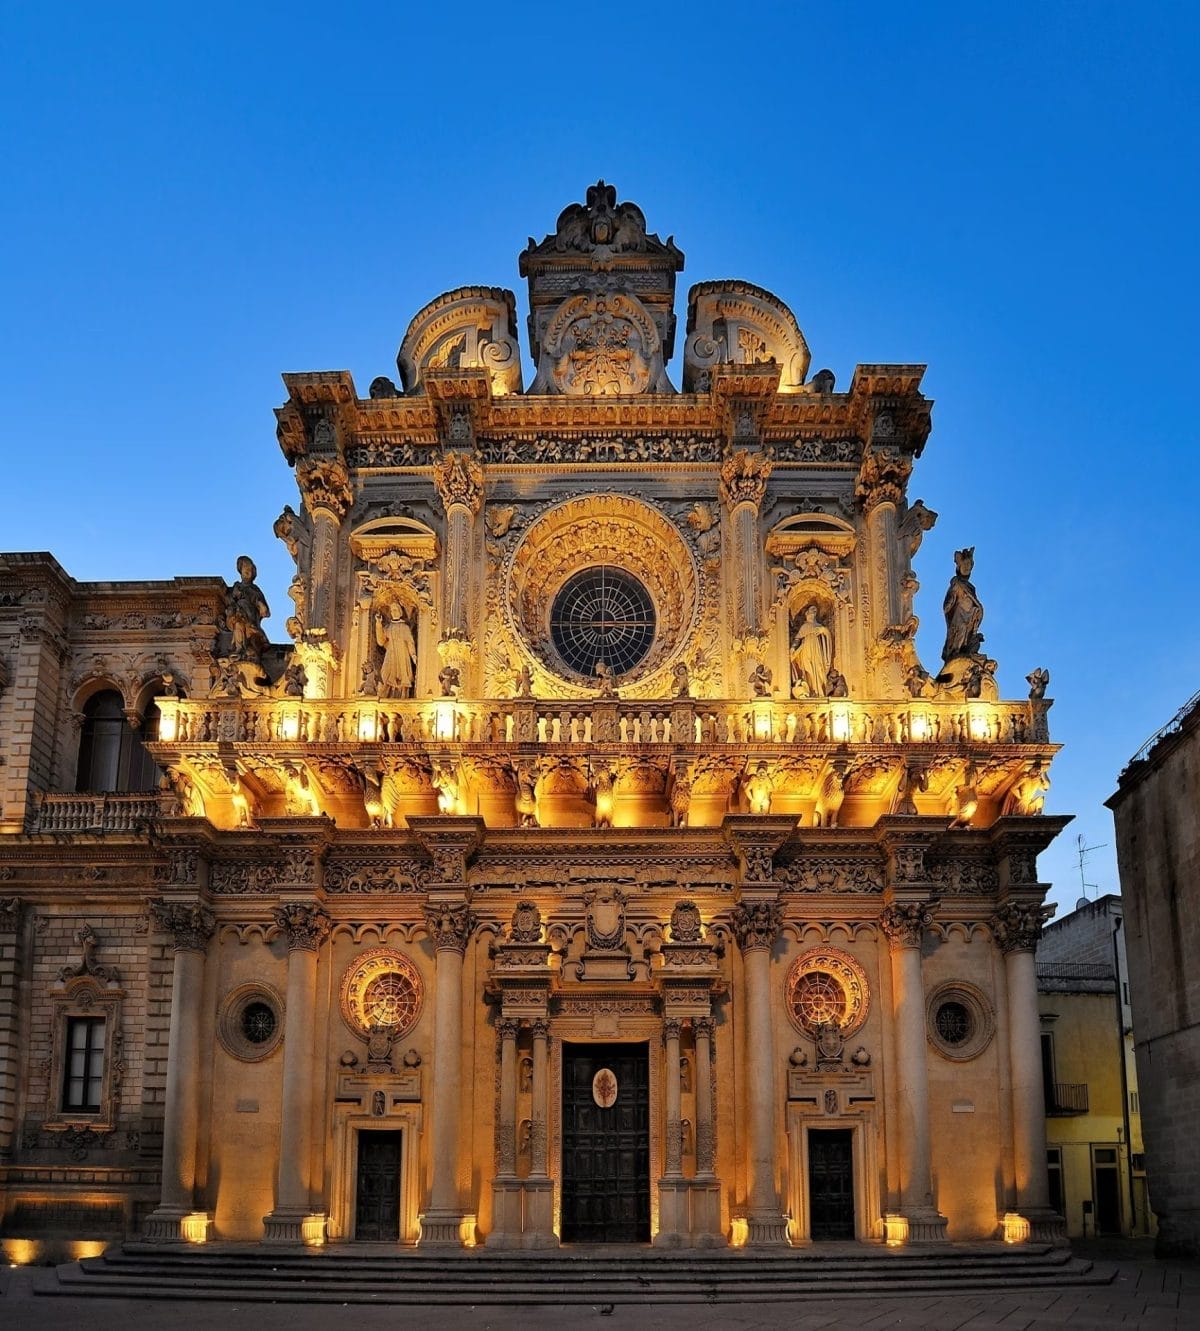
{"type": "Point", "coordinates": [596, 861]}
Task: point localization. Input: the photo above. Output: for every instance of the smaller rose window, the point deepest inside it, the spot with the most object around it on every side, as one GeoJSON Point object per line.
{"type": "Point", "coordinates": [827, 986]}
{"type": "Point", "coordinates": [390, 1000]}
{"type": "Point", "coordinates": [818, 998]}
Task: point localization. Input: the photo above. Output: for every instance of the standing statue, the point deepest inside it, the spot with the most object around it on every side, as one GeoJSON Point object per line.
{"type": "Point", "coordinates": [812, 654]}
{"type": "Point", "coordinates": [245, 609]}
{"type": "Point", "coordinates": [399, 655]}
{"type": "Point", "coordinates": [962, 609]}
{"type": "Point", "coordinates": [1038, 681]}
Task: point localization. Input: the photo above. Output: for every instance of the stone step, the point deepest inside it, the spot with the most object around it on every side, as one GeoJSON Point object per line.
{"type": "Point", "coordinates": [556, 1277]}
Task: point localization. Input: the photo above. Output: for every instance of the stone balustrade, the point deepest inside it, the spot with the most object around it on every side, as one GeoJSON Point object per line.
{"type": "Point", "coordinates": [61, 814]}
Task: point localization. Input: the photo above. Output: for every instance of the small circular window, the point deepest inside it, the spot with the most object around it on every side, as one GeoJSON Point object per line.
{"type": "Point", "coordinates": [250, 1026]}
{"type": "Point", "coordinates": [960, 1021]}
{"type": "Point", "coordinates": [602, 614]}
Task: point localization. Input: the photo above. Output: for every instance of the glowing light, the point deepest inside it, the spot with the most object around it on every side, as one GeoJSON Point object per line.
{"type": "Point", "coordinates": [366, 726]}
{"type": "Point", "coordinates": [289, 726]}
{"type": "Point", "coordinates": [168, 725]}
{"type": "Point", "coordinates": [895, 1230]}
{"type": "Point", "coordinates": [739, 1231]}
{"type": "Point", "coordinates": [86, 1248]}
{"type": "Point", "coordinates": [312, 1231]}
{"type": "Point", "coordinates": [919, 726]}
{"type": "Point", "coordinates": [1016, 1228]}
{"type": "Point", "coordinates": [979, 726]}
{"type": "Point", "coordinates": [443, 721]}
{"type": "Point", "coordinates": [22, 1252]}
{"type": "Point", "coordinates": [841, 726]}
{"type": "Point", "coordinates": [194, 1227]}
{"type": "Point", "coordinates": [762, 723]}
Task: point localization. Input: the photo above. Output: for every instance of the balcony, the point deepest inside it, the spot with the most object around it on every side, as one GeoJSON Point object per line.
{"type": "Point", "coordinates": [100, 815]}
{"type": "Point", "coordinates": [1066, 1098]}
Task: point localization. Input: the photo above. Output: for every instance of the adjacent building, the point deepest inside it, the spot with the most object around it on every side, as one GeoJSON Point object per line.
{"type": "Point", "coordinates": [1158, 856]}
{"type": "Point", "coordinates": [596, 860]}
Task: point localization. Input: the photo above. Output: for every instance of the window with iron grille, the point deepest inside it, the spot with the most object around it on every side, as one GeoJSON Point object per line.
{"type": "Point", "coordinates": [83, 1065]}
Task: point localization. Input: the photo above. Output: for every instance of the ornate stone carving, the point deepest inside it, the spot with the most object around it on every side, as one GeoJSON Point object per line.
{"type": "Point", "coordinates": [757, 923]}
{"type": "Point", "coordinates": [87, 964]}
{"type": "Point", "coordinates": [686, 924]}
{"type": "Point", "coordinates": [1027, 794]}
{"type": "Point", "coordinates": [325, 484]}
{"type": "Point", "coordinates": [963, 610]}
{"type": "Point", "coordinates": [10, 914]}
{"type": "Point", "coordinates": [458, 478]}
{"type": "Point", "coordinates": [190, 924]}
{"type": "Point", "coordinates": [733, 322]}
{"type": "Point", "coordinates": [526, 926]}
{"type": "Point", "coordinates": [304, 925]}
{"type": "Point", "coordinates": [811, 656]}
{"type": "Point", "coordinates": [245, 609]}
{"type": "Point", "coordinates": [882, 479]}
{"type": "Point", "coordinates": [832, 876]}
{"type": "Point", "coordinates": [449, 925]}
{"type": "Point", "coordinates": [904, 922]}
{"type": "Point", "coordinates": [1017, 925]}
{"type": "Point", "coordinates": [744, 478]}
{"type": "Point", "coordinates": [604, 918]}
{"type": "Point", "coordinates": [908, 863]}
{"type": "Point", "coordinates": [469, 328]}
{"type": "Point", "coordinates": [601, 344]}
{"type": "Point", "coordinates": [827, 987]}
{"type": "Point", "coordinates": [381, 991]}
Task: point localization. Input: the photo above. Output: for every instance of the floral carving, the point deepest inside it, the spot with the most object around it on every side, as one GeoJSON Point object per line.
{"type": "Point", "coordinates": [305, 925]}
{"type": "Point", "coordinates": [449, 925]}
{"type": "Point", "coordinates": [458, 478]}
{"type": "Point", "coordinates": [191, 925]}
{"type": "Point", "coordinates": [325, 484]}
{"type": "Point", "coordinates": [905, 922]}
{"type": "Point", "coordinates": [1017, 926]}
{"type": "Point", "coordinates": [756, 924]}
{"type": "Point", "coordinates": [744, 478]}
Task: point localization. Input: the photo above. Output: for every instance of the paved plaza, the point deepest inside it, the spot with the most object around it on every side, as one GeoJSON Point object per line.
{"type": "Point", "coordinates": [1142, 1294]}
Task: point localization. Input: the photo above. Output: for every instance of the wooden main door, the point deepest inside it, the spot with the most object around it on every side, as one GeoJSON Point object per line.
{"type": "Point", "coordinates": [606, 1151]}
{"type": "Point", "coordinates": [377, 1209]}
{"type": "Point", "coordinates": [831, 1183]}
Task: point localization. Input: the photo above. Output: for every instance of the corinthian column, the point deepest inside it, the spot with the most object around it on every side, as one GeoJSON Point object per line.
{"type": "Point", "coordinates": [449, 924]}
{"type": "Point", "coordinates": [325, 484]}
{"type": "Point", "coordinates": [293, 1220]}
{"type": "Point", "coordinates": [175, 1218]}
{"type": "Point", "coordinates": [672, 1187]}
{"type": "Point", "coordinates": [459, 481]}
{"type": "Point", "coordinates": [743, 485]}
{"type": "Point", "coordinates": [506, 1188]}
{"type": "Point", "coordinates": [1016, 927]}
{"type": "Point", "coordinates": [903, 923]}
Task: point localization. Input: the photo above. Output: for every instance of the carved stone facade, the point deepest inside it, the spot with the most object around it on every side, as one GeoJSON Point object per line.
{"type": "Point", "coordinates": [599, 738]}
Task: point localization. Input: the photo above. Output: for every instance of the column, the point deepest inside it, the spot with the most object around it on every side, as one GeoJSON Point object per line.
{"type": "Point", "coordinates": [880, 488]}
{"type": "Point", "coordinates": [1016, 927]}
{"type": "Point", "coordinates": [706, 1189]}
{"type": "Point", "coordinates": [294, 1220]}
{"type": "Point", "coordinates": [673, 1221]}
{"type": "Point", "coordinates": [176, 1218]}
{"type": "Point", "coordinates": [325, 484]}
{"type": "Point", "coordinates": [506, 1187]}
{"type": "Point", "coordinates": [743, 485]}
{"type": "Point", "coordinates": [756, 925]}
{"type": "Point", "coordinates": [903, 923]}
{"type": "Point", "coordinates": [10, 1036]}
{"type": "Point", "coordinates": [449, 924]}
{"type": "Point", "coordinates": [539, 1186]}
{"type": "Point", "coordinates": [459, 481]}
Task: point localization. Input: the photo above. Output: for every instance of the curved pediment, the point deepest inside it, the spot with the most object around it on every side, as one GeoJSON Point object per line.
{"type": "Point", "coordinates": [469, 328]}
{"type": "Point", "coordinates": [737, 323]}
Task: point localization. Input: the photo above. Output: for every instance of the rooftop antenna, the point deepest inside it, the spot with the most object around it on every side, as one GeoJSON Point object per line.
{"type": "Point", "coordinates": [1082, 851]}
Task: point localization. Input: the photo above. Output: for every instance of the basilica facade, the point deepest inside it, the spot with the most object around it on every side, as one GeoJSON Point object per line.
{"type": "Point", "coordinates": [596, 860]}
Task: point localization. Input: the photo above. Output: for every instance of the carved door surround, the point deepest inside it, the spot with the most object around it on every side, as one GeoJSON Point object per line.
{"type": "Point", "coordinates": [850, 1112]}
{"type": "Point", "coordinates": [349, 1122]}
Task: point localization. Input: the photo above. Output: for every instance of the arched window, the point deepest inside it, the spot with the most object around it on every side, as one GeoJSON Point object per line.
{"type": "Point", "coordinates": [112, 755]}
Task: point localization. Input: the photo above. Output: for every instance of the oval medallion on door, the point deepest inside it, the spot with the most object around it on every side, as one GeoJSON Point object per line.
{"type": "Point", "coordinates": [604, 1088]}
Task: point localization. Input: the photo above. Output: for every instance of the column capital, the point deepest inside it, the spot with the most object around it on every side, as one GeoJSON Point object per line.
{"type": "Point", "coordinates": [1017, 925]}
{"type": "Point", "coordinates": [539, 1028]}
{"type": "Point", "coordinates": [189, 923]}
{"type": "Point", "coordinates": [449, 842]}
{"type": "Point", "coordinates": [672, 1029]}
{"type": "Point", "coordinates": [10, 914]}
{"type": "Point", "coordinates": [703, 1026]}
{"type": "Point", "coordinates": [458, 478]}
{"type": "Point", "coordinates": [305, 924]}
{"type": "Point", "coordinates": [744, 476]}
{"type": "Point", "coordinates": [882, 478]}
{"type": "Point", "coordinates": [905, 922]}
{"type": "Point", "coordinates": [756, 923]}
{"type": "Point", "coordinates": [449, 924]}
{"type": "Point", "coordinates": [325, 485]}
{"type": "Point", "coordinates": [508, 1028]}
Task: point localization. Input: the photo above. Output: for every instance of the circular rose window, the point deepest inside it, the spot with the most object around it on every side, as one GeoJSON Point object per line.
{"type": "Point", "coordinates": [602, 614]}
{"type": "Point", "coordinates": [382, 988]}
{"type": "Point", "coordinates": [827, 986]}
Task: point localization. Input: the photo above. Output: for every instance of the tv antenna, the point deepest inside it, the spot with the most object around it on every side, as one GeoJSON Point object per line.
{"type": "Point", "coordinates": [1082, 851]}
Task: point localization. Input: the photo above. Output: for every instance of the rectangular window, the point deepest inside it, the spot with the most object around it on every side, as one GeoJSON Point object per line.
{"type": "Point", "coordinates": [1135, 1105]}
{"type": "Point", "coordinates": [83, 1065]}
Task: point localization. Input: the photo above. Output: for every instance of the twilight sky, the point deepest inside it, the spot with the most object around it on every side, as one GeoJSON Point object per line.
{"type": "Point", "coordinates": [199, 198]}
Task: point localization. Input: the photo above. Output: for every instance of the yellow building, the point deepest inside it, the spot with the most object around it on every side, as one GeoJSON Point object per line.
{"type": "Point", "coordinates": [596, 861]}
{"type": "Point", "coordinates": [1094, 1146]}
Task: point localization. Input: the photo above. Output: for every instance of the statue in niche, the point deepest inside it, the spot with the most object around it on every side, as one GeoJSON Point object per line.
{"type": "Point", "coordinates": [245, 609]}
{"type": "Point", "coordinates": [394, 634]}
{"type": "Point", "coordinates": [812, 656]}
{"type": "Point", "coordinates": [962, 609]}
{"type": "Point", "coordinates": [758, 790]}
{"type": "Point", "coordinates": [526, 1075]}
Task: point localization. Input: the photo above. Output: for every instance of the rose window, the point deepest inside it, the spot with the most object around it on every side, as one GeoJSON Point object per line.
{"type": "Point", "coordinates": [817, 999]}
{"type": "Point", "coordinates": [602, 614]}
{"type": "Point", "coordinates": [390, 1000]}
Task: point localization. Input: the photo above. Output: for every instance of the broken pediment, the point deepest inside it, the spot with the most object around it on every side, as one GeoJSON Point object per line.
{"type": "Point", "coordinates": [470, 328]}
{"type": "Point", "coordinates": [737, 323]}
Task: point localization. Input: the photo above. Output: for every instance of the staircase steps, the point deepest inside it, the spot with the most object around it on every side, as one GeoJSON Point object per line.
{"type": "Point", "coordinates": [252, 1273]}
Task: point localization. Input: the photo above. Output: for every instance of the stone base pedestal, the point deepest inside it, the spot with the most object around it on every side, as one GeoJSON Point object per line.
{"type": "Point", "coordinates": [506, 1214]}
{"type": "Point", "coordinates": [447, 1229]}
{"type": "Point", "coordinates": [922, 1223]}
{"type": "Point", "coordinates": [285, 1225]}
{"type": "Point", "coordinates": [706, 1214]}
{"type": "Point", "coordinates": [172, 1224]}
{"type": "Point", "coordinates": [766, 1229]}
{"type": "Point", "coordinates": [673, 1219]}
{"type": "Point", "coordinates": [539, 1214]}
{"type": "Point", "coordinates": [1035, 1225]}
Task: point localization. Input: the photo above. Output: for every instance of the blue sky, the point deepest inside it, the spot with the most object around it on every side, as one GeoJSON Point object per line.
{"type": "Point", "coordinates": [200, 198]}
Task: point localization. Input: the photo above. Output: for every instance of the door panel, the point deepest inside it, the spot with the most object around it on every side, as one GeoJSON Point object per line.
{"type": "Point", "coordinates": [377, 1213]}
{"type": "Point", "coordinates": [606, 1152]}
{"type": "Point", "coordinates": [831, 1183]}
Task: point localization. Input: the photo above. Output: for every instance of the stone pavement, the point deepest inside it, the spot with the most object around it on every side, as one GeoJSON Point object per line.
{"type": "Point", "coordinates": [1146, 1294]}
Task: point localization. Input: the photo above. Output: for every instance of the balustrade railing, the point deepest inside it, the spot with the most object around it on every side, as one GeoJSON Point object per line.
{"type": "Point", "coordinates": [61, 814]}
{"type": "Point", "coordinates": [675, 722]}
